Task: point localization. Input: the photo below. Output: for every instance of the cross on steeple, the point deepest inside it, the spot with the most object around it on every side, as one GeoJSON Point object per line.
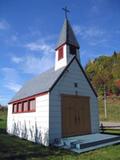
{"type": "Point", "coordinates": [66, 11]}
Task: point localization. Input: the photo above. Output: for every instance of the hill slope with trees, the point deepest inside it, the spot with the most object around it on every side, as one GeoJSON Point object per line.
{"type": "Point", "coordinates": [104, 74]}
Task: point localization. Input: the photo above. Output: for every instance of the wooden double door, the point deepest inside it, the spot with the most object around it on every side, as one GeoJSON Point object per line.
{"type": "Point", "coordinates": [75, 115]}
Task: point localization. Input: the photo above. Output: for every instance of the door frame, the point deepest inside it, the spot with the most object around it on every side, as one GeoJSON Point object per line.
{"type": "Point", "coordinates": [71, 95]}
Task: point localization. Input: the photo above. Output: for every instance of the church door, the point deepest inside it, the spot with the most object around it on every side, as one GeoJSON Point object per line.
{"type": "Point", "coordinates": [75, 115]}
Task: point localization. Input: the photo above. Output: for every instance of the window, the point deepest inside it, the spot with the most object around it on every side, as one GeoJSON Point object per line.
{"type": "Point", "coordinates": [73, 50]}
{"type": "Point", "coordinates": [14, 108]}
{"type": "Point", "coordinates": [19, 107]}
{"type": "Point", "coordinates": [32, 105]}
{"type": "Point", "coordinates": [25, 106]}
{"type": "Point", "coordinates": [60, 53]}
{"type": "Point", "coordinates": [76, 84]}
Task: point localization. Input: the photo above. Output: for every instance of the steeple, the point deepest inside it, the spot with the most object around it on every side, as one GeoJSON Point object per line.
{"type": "Point", "coordinates": [67, 46]}
{"type": "Point", "coordinates": [67, 36]}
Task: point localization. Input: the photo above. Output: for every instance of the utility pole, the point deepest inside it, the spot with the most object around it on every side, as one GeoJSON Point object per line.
{"type": "Point", "coordinates": [105, 102]}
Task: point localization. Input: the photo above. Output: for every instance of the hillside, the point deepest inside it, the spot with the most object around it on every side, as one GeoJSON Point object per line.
{"type": "Point", "coordinates": [104, 74]}
{"type": "Point", "coordinates": [113, 109]}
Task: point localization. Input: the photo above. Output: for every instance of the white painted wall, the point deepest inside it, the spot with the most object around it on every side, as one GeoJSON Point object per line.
{"type": "Point", "coordinates": [66, 86]}
{"type": "Point", "coordinates": [66, 57]}
{"type": "Point", "coordinates": [44, 125]}
{"type": "Point", "coordinates": [33, 126]}
{"type": "Point", "coordinates": [62, 62]}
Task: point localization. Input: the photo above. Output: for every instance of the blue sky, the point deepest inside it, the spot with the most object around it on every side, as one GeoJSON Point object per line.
{"type": "Point", "coordinates": [29, 31]}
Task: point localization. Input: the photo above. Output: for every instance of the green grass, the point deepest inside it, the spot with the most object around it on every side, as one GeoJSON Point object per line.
{"type": "Point", "coordinates": [3, 119]}
{"type": "Point", "coordinates": [112, 131]}
{"type": "Point", "coordinates": [113, 109]}
{"type": "Point", "coordinates": [14, 148]}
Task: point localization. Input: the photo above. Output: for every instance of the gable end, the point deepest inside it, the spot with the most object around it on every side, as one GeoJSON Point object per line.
{"type": "Point", "coordinates": [82, 72]}
{"type": "Point", "coordinates": [86, 78]}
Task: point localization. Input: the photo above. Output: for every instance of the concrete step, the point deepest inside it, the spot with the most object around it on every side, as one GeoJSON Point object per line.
{"type": "Point", "coordinates": [81, 145]}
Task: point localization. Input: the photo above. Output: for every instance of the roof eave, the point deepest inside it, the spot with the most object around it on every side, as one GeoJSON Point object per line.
{"type": "Point", "coordinates": [78, 47]}
{"type": "Point", "coordinates": [29, 97]}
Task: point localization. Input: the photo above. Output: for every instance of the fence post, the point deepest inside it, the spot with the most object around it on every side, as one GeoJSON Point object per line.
{"type": "Point", "coordinates": [105, 103]}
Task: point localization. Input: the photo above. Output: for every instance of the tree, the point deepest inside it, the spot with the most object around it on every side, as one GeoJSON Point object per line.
{"type": "Point", "coordinates": [104, 70]}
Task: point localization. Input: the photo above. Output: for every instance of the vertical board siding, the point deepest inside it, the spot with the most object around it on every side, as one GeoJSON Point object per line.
{"type": "Point", "coordinates": [66, 86]}
{"type": "Point", "coordinates": [33, 126]}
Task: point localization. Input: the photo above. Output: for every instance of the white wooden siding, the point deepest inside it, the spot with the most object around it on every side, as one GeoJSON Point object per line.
{"type": "Point", "coordinates": [33, 126]}
{"type": "Point", "coordinates": [62, 62]}
{"type": "Point", "coordinates": [44, 125]}
{"type": "Point", "coordinates": [66, 86]}
{"type": "Point", "coordinates": [66, 57]}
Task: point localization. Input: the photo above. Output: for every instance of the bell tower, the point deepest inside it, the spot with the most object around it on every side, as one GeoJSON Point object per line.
{"type": "Point", "coordinates": [67, 46]}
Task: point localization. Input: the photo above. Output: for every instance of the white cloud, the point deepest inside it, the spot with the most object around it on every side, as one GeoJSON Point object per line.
{"type": "Point", "coordinates": [93, 35]}
{"type": "Point", "coordinates": [95, 9]}
{"type": "Point", "coordinates": [77, 29]}
{"type": "Point", "coordinates": [11, 78]}
{"type": "Point", "coordinates": [97, 5]}
{"type": "Point", "coordinates": [93, 32]}
{"type": "Point", "coordinates": [117, 31]}
{"type": "Point", "coordinates": [14, 38]}
{"type": "Point", "coordinates": [36, 65]}
{"type": "Point", "coordinates": [9, 74]}
{"type": "Point", "coordinates": [1, 97]}
{"type": "Point", "coordinates": [13, 86]}
{"type": "Point", "coordinates": [32, 64]}
{"type": "Point", "coordinates": [88, 32]}
{"type": "Point", "coordinates": [3, 25]}
{"type": "Point", "coordinates": [16, 59]}
{"type": "Point", "coordinates": [98, 42]}
{"type": "Point", "coordinates": [84, 52]}
{"type": "Point", "coordinates": [40, 46]}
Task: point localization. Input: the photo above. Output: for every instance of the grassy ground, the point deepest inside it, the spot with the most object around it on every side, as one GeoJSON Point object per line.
{"type": "Point", "coordinates": [13, 148]}
{"type": "Point", "coordinates": [3, 118]}
{"type": "Point", "coordinates": [112, 131]}
{"type": "Point", "coordinates": [113, 109]}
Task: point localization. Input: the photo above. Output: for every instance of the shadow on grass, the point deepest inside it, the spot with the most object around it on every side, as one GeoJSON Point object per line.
{"type": "Point", "coordinates": [114, 133]}
{"type": "Point", "coordinates": [27, 156]}
{"type": "Point", "coordinates": [14, 148]}
{"type": "Point", "coordinates": [3, 131]}
{"type": "Point", "coordinates": [111, 131]}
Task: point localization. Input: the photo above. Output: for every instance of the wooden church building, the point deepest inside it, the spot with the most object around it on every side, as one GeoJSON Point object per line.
{"type": "Point", "coordinates": [58, 103]}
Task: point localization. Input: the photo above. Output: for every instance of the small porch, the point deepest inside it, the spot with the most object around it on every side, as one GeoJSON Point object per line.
{"type": "Point", "coordinates": [88, 142]}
